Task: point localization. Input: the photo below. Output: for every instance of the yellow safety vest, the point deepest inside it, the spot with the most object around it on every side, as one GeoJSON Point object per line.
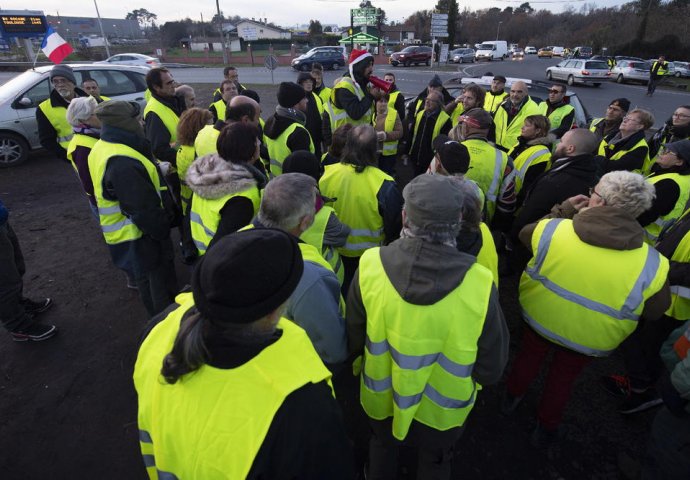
{"type": "Point", "coordinates": [204, 215]}
{"type": "Point", "coordinates": [456, 113]}
{"type": "Point", "coordinates": [79, 140]}
{"type": "Point", "coordinates": [165, 113]}
{"type": "Point", "coordinates": [185, 156]}
{"type": "Point", "coordinates": [325, 95]}
{"type": "Point", "coordinates": [338, 115]}
{"type": "Point", "coordinates": [206, 139]}
{"type": "Point", "coordinates": [663, 67]}
{"type": "Point", "coordinates": [356, 204]}
{"type": "Point", "coordinates": [389, 147]}
{"type": "Point", "coordinates": [278, 149]}
{"type": "Point", "coordinates": [556, 117]}
{"type": "Point", "coordinates": [221, 107]}
{"type": "Point", "coordinates": [319, 103]}
{"type": "Point", "coordinates": [182, 432]}
{"type": "Point", "coordinates": [488, 256]}
{"type": "Point", "coordinates": [441, 120]}
{"type": "Point", "coordinates": [487, 165]}
{"type": "Point", "coordinates": [680, 295]}
{"type": "Point", "coordinates": [604, 146]}
{"type": "Point", "coordinates": [57, 116]}
{"type": "Point", "coordinates": [683, 181]}
{"type": "Point", "coordinates": [492, 102]}
{"type": "Point", "coordinates": [116, 226]}
{"type": "Point", "coordinates": [392, 98]}
{"type": "Point", "coordinates": [595, 122]}
{"type": "Point", "coordinates": [530, 156]}
{"type": "Point", "coordinates": [314, 236]}
{"type": "Point", "coordinates": [508, 132]}
{"type": "Point", "coordinates": [584, 297]}
{"type": "Point", "coordinates": [418, 359]}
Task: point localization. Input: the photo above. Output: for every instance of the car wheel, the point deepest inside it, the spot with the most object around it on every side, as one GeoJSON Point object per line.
{"type": "Point", "coordinates": [620, 79]}
{"type": "Point", "coordinates": [597, 84]}
{"type": "Point", "coordinates": [677, 74]}
{"type": "Point", "coordinates": [548, 75]}
{"type": "Point", "coordinates": [571, 80]}
{"type": "Point", "coordinates": [304, 67]}
{"type": "Point", "coordinates": [13, 150]}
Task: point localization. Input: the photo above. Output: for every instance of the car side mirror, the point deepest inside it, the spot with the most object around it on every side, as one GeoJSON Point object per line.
{"type": "Point", "coordinates": [25, 102]}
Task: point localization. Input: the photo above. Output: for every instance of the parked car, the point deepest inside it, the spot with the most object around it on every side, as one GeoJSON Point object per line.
{"type": "Point", "coordinates": [586, 72]}
{"type": "Point", "coordinates": [330, 59]}
{"type": "Point", "coordinates": [132, 59]}
{"type": "Point", "coordinates": [461, 55]}
{"type": "Point", "coordinates": [631, 71]}
{"type": "Point", "coordinates": [518, 53]}
{"type": "Point", "coordinates": [625, 57]}
{"type": "Point", "coordinates": [20, 96]}
{"type": "Point", "coordinates": [531, 50]}
{"type": "Point", "coordinates": [492, 50]}
{"type": "Point", "coordinates": [538, 91]}
{"type": "Point", "coordinates": [558, 51]}
{"type": "Point", "coordinates": [545, 52]}
{"type": "Point", "coordinates": [330, 48]}
{"type": "Point", "coordinates": [412, 55]}
{"type": "Point", "coordinates": [682, 70]}
{"type": "Point", "coordinates": [583, 52]}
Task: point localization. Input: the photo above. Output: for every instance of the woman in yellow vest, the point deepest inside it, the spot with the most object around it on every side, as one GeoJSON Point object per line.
{"type": "Point", "coordinates": [87, 131]}
{"type": "Point", "coordinates": [627, 148]}
{"type": "Point", "coordinates": [532, 155]}
{"type": "Point", "coordinates": [314, 111]}
{"type": "Point", "coordinates": [389, 130]}
{"type": "Point", "coordinates": [227, 344]}
{"type": "Point", "coordinates": [226, 187]}
{"type": "Point", "coordinates": [191, 123]}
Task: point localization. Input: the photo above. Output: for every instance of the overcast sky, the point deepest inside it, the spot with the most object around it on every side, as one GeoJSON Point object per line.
{"type": "Point", "coordinates": [283, 13]}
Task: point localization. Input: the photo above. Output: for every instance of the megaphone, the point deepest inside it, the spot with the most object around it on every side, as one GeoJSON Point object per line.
{"type": "Point", "coordinates": [380, 83]}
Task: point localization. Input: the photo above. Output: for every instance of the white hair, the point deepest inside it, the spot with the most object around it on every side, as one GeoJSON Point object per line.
{"type": "Point", "coordinates": [286, 200]}
{"type": "Point", "coordinates": [80, 110]}
{"type": "Point", "coordinates": [626, 190]}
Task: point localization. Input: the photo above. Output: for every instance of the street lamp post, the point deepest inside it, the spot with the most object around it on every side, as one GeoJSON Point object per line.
{"type": "Point", "coordinates": [498, 29]}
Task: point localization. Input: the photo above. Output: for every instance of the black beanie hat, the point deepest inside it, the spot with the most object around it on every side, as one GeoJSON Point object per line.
{"type": "Point", "coordinates": [303, 161]}
{"type": "Point", "coordinates": [624, 103]}
{"type": "Point", "coordinates": [290, 94]}
{"type": "Point", "coordinates": [247, 275]}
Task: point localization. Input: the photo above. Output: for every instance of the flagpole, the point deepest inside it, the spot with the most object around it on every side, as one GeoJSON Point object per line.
{"type": "Point", "coordinates": [100, 24]}
{"type": "Point", "coordinates": [36, 55]}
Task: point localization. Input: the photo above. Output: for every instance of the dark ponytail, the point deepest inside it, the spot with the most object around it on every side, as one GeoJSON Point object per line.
{"type": "Point", "coordinates": [189, 351]}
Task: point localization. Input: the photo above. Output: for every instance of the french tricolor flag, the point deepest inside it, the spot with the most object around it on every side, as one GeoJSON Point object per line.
{"type": "Point", "coordinates": [54, 46]}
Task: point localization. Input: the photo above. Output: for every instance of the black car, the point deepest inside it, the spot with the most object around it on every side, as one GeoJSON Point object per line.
{"type": "Point", "coordinates": [331, 60]}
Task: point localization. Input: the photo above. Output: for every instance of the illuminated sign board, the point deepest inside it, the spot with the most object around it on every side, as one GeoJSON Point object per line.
{"type": "Point", "coordinates": [22, 25]}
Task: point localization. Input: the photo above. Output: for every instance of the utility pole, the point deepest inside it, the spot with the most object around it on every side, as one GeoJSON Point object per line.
{"type": "Point", "coordinates": [222, 36]}
{"type": "Point", "coordinates": [100, 25]}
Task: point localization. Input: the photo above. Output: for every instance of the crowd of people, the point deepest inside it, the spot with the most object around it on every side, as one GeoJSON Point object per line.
{"type": "Point", "coordinates": [312, 257]}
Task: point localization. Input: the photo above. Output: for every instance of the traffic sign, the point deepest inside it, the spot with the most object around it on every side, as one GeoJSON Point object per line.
{"type": "Point", "coordinates": [439, 16]}
{"type": "Point", "coordinates": [439, 23]}
{"type": "Point", "coordinates": [271, 62]}
{"type": "Point", "coordinates": [439, 34]}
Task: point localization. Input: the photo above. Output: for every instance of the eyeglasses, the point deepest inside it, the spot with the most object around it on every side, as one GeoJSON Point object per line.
{"type": "Point", "coordinates": [59, 80]}
{"type": "Point", "coordinates": [681, 115]}
{"type": "Point", "coordinates": [592, 191]}
{"type": "Point", "coordinates": [628, 118]}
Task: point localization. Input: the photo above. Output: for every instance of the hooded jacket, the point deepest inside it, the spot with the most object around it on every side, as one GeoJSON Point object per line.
{"type": "Point", "coordinates": [348, 101]}
{"type": "Point", "coordinates": [281, 120]}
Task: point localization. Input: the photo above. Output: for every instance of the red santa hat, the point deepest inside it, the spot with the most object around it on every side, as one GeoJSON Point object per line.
{"type": "Point", "coordinates": [357, 56]}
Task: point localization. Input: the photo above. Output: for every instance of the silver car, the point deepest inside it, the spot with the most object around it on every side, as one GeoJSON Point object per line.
{"type": "Point", "coordinates": [132, 59]}
{"type": "Point", "coordinates": [462, 55]}
{"type": "Point", "coordinates": [586, 72]}
{"type": "Point", "coordinates": [20, 96]}
{"type": "Point", "coordinates": [631, 71]}
{"type": "Point", "coordinates": [682, 70]}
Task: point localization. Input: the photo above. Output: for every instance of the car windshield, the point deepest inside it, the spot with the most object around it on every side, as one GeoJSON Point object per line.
{"type": "Point", "coordinates": [407, 50]}
{"type": "Point", "coordinates": [597, 65]}
{"type": "Point", "coordinates": [640, 65]}
{"type": "Point", "coordinates": [487, 46]}
{"type": "Point", "coordinates": [21, 82]}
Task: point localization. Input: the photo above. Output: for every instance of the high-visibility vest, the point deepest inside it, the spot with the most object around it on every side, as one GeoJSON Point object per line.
{"type": "Point", "coordinates": [182, 433]}
{"type": "Point", "coordinates": [390, 147]}
{"type": "Point", "coordinates": [663, 67]}
{"type": "Point", "coordinates": [325, 95]}
{"type": "Point", "coordinates": [584, 297]}
{"type": "Point", "coordinates": [356, 204]}
{"type": "Point", "coordinates": [204, 215]}
{"type": "Point", "coordinates": [319, 103]}
{"type": "Point", "coordinates": [338, 115]}
{"type": "Point", "coordinates": [206, 139]}
{"type": "Point", "coordinates": [79, 140]}
{"type": "Point", "coordinates": [57, 116]}
{"type": "Point", "coordinates": [314, 236]}
{"type": "Point", "coordinates": [457, 113]}
{"type": "Point", "coordinates": [492, 102]}
{"type": "Point", "coordinates": [530, 156]}
{"type": "Point", "coordinates": [680, 295]}
{"type": "Point", "coordinates": [605, 149]}
{"type": "Point", "coordinates": [507, 133]}
{"type": "Point", "coordinates": [595, 122]}
{"type": "Point", "coordinates": [418, 359]}
{"type": "Point", "coordinates": [166, 114]}
{"type": "Point", "coordinates": [221, 107]}
{"type": "Point", "coordinates": [116, 227]}
{"type": "Point", "coordinates": [683, 181]}
{"type": "Point", "coordinates": [556, 117]}
{"type": "Point", "coordinates": [487, 166]}
{"type": "Point", "coordinates": [441, 120]}
{"type": "Point", "coordinates": [278, 149]}
{"type": "Point", "coordinates": [488, 255]}
{"type": "Point", "coordinates": [185, 156]}
{"type": "Point", "coordinates": [392, 98]}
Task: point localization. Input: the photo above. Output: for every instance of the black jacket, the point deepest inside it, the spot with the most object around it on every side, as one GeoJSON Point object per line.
{"type": "Point", "coordinates": [349, 102]}
{"type": "Point", "coordinates": [632, 160]}
{"type": "Point", "coordinates": [667, 193]}
{"type": "Point", "coordinates": [276, 125]}
{"type": "Point", "coordinates": [47, 135]}
{"type": "Point", "coordinates": [156, 132]}
{"type": "Point", "coordinates": [679, 272]}
{"type": "Point", "coordinates": [567, 120]}
{"type": "Point", "coordinates": [667, 134]}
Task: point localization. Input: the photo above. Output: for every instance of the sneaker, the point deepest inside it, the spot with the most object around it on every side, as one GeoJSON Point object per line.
{"type": "Point", "coordinates": [616, 385]}
{"type": "Point", "coordinates": [543, 437]}
{"type": "Point", "coordinates": [510, 403]}
{"type": "Point", "coordinates": [640, 401]}
{"type": "Point", "coordinates": [132, 283]}
{"type": "Point", "coordinates": [35, 307]}
{"type": "Point", "coordinates": [35, 333]}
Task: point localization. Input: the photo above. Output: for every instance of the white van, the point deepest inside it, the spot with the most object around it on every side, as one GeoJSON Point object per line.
{"type": "Point", "coordinates": [492, 50]}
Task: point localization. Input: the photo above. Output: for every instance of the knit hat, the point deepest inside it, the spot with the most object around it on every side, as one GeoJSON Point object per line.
{"type": "Point", "coordinates": [304, 76]}
{"type": "Point", "coordinates": [477, 118]}
{"type": "Point", "coordinates": [680, 148]}
{"type": "Point", "coordinates": [433, 200]}
{"type": "Point", "coordinates": [623, 103]}
{"type": "Point", "coordinates": [246, 275]}
{"type": "Point", "coordinates": [290, 94]}
{"type": "Point", "coordinates": [358, 57]}
{"type": "Point", "coordinates": [64, 71]}
{"type": "Point", "coordinates": [500, 78]}
{"type": "Point", "coordinates": [120, 114]}
{"type": "Point", "coordinates": [303, 161]}
{"type": "Point", "coordinates": [435, 81]}
{"type": "Point", "coordinates": [454, 156]}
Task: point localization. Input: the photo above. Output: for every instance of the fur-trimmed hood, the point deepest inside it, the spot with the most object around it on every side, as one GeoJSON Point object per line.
{"type": "Point", "coordinates": [548, 140]}
{"type": "Point", "coordinates": [212, 177]}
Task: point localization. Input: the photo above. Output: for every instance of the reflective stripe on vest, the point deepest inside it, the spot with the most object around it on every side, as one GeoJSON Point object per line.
{"type": "Point", "coordinates": [595, 122]}
{"type": "Point", "coordinates": [166, 114]}
{"type": "Point", "coordinates": [680, 294]}
{"type": "Point", "coordinates": [683, 182]}
{"type": "Point", "coordinates": [390, 147]}
{"type": "Point", "coordinates": [206, 139]}
{"type": "Point", "coordinates": [533, 155]}
{"type": "Point", "coordinates": [605, 149]}
{"type": "Point", "coordinates": [356, 204]}
{"type": "Point", "coordinates": [553, 286]}
{"type": "Point", "coordinates": [339, 115]}
{"type": "Point", "coordinates": [116, 227]}
{"type": "Point", "coordinates": [418, 361]}
{"type": "Point", "coordinates": [487, 173]}
{"type": "Point", "coordinates": [556, 117]}
{"type": "Point", "coordinates": [57, 116]}
{"type": "Point", "coordinates": [278, 149]}
{"type": "Point", "coordinates": [314, 235]}
{"type": "Point", "coordinates": [221, 108]}
{"type": "Point", "coordinates": [221, 440]}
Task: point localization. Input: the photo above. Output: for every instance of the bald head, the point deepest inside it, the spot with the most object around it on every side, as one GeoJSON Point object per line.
{"type": "Point", "coordinates": [579, 141]}
{"type": "Point", "coordinates": [518, 92]}
{"type": "Point", "coordinates": [241, 102]}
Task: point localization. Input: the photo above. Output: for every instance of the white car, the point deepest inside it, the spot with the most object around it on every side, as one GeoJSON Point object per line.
{"type": "Point", "coordinates": [531, 50]}
{"type": "Point", "coordinates": [133, 59]}
{"type": "Point", "coordinates": [20, 96]}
